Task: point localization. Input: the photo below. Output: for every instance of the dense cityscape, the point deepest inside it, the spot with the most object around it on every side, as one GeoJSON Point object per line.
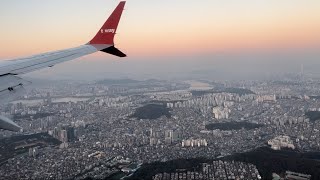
{"type": "Point", "coordinates": [112, 128]}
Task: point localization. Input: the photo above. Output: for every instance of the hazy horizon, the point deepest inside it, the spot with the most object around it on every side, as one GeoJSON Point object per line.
{"type": "Point", "coordinates": [251, 66]}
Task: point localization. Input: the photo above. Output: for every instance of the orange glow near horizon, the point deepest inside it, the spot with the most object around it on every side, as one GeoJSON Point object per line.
{"type": "Point", "coordinates": [191, 30]}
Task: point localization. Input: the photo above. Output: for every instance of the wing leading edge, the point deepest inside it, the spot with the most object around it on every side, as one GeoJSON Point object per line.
{"type": "Point", "coordinates": [11, 85]}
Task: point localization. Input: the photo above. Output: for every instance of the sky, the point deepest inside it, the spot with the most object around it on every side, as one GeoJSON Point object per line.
{"type": "Point", "coordinates": [168, 35]}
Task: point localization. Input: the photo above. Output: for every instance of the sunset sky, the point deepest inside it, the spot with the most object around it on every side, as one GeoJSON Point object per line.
{"type": "Point", "coordinates": [154, 27]}
{"type": "Point", "coordinates": [157, 28]}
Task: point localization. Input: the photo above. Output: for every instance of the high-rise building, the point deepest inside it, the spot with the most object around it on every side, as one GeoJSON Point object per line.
{"type": "Point", "coordinates": [71, 136]}
{"type": "Point", "coordinates": [171, 136]}
{"type": "Point", "coordinates": [63, 136]}
{"type": "Point", "coordinates": [30, 152]}
{"type": "Point", "coordinates": [153, 141]}
{"type": "Point", "coordinates": [56, 132]}
{"type": "Point", "coordinates": [168, 136]}
{"type": "Point", "coordinates": [33, 152]}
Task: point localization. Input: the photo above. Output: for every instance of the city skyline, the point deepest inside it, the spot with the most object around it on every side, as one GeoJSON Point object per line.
{"type": "Point", "coordinates": [80, 130]}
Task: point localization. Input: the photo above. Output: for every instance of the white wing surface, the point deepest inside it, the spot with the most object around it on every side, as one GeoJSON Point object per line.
{"type": "Point", "coordinates": [12, 86]}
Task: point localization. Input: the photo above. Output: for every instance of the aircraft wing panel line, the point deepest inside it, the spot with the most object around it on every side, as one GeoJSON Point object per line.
{"type": "Point", "coordinates": [24, 66]}
{"type": "Point", "coordinates": [43, 65]}
{"type": "Point", "coordinates": [49, 61]}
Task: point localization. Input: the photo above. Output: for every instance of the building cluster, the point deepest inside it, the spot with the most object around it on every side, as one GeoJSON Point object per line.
{"type": "Point", "coordinates": [216, 170]}
{"type": "Point", "coordinates": [206, 100]}
{"type": "Point", "coordinates": [266, 98]}
{"type": "Point", "coordinates": [94, 125]}
{"type": "Point", "coordinates": [194, 143]}
{"type": "Point", "coordinates": [119, 102]}
{"type": "Point", "coordinates": [170, 96]}
{"type": "Point", "coordinates": [221, 112]}
{"type": "Point", "coordinates": [64, 134]}
{"type": "Point", "coordinates": [281, 142]}
{"type": "Point", "coordinates": [168, 136]}
{"type": "Point", "coordinates": [171, 136]}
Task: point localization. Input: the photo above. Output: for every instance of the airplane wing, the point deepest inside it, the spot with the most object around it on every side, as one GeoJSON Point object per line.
{"type": "Point", "coordinates": [12, 86]}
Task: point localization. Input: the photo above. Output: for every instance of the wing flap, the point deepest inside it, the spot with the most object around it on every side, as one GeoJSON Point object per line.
{"type": "Point", "coordinates": [7, 124]}
{"type": "Point", "coordinates": [11, 87]}
{"type": "Point", "coordinates": [10, 82]}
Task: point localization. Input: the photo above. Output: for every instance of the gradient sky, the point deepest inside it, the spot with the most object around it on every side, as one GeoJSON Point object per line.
{"type": "Point", "coordinates": [162, 29]}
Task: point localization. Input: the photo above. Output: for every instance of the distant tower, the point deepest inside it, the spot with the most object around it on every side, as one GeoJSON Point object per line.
{"type": "Point", "coordinates": [203, 125]}
{"type": "Point", "coordinates": [302, 71]}
{"type": "Point", "coordinates": [151, 132]}
{"type": "Point", "coordinates": [49, 100]}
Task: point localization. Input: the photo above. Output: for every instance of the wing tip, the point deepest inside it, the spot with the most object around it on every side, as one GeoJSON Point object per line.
{"type": "Point", "coordinates": [114, 51]}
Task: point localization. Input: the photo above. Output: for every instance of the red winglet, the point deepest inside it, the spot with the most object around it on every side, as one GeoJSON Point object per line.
{"type": "Point", "coordinates": [106, 34]}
